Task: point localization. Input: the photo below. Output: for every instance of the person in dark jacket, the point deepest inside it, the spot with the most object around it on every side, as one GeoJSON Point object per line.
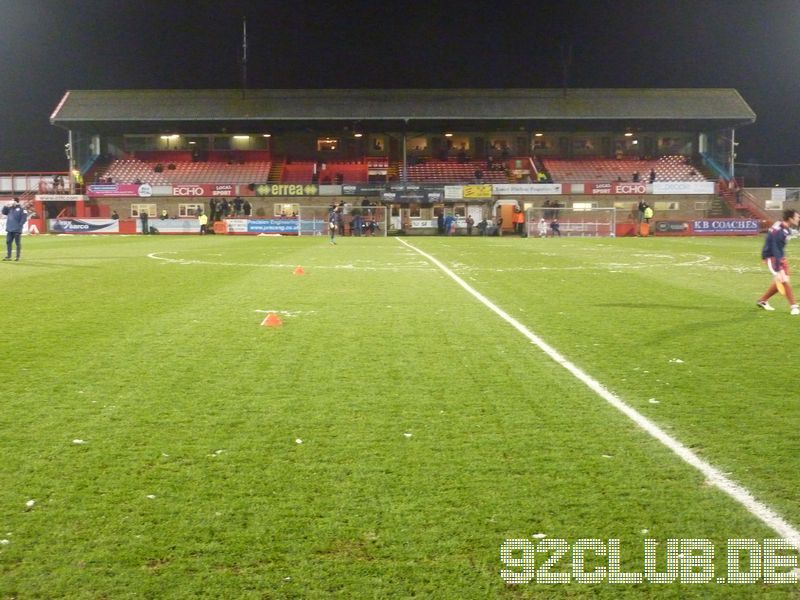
{"type": "Point", "coordinates": [15, 219]}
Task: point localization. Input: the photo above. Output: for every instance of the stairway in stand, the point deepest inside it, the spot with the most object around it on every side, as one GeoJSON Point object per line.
{"type": "Point", "coordinates": [745, 208]}
{"type": "Point", "coordinates": [275, 172]}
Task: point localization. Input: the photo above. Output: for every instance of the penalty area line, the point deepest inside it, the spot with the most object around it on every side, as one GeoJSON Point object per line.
{"type": "Point", "coordinates": [714, 476]}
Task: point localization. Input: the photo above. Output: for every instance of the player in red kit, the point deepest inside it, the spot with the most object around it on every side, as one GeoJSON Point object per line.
{"type": "Point", "coordinates": [774, 255]}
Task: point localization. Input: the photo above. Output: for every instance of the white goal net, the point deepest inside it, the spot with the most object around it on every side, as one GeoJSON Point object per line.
{"type": "Point", "coordinates": [571, 222]}
{"type": "Point", "coordinates": [360, 221]}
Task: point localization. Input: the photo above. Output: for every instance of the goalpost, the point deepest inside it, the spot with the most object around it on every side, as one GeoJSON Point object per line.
{"type": "Point", "coordinates": [573, 222]}
{"type": "Point", "coordinates": [362, 220]}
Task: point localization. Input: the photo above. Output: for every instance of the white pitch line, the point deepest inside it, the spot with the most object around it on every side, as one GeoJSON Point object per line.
{"type": "Point", "coordinates": [714, 476]}
{"type": "Point", "coordinates": [344, 267]}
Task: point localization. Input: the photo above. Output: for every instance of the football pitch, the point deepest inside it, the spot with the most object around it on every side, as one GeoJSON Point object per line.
{"type": "Point", "coordinates": [425, 402]}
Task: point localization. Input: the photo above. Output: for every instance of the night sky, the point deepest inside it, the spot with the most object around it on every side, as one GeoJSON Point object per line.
{"type": "Point", "coordinates": [48, 47]}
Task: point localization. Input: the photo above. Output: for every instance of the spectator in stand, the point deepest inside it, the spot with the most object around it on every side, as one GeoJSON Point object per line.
{"type": "Point", "coordinates": [237, 206]}
{"type": "Point", "coordinates": [143, 217]}
{"type": "Point", "coordinates": [652, 175]}
{"type": "Point", "coordinates": [470, 223]}
{"type": "Point", "coordinates": [212, 210]}
{"type": "Point", "coordinates": [247, 208]}
{"type": "Point", "coordinates": [115, 215]}
{"type": "Point", "coordinates": [636, 177]}
{"type": "Point", "coordinates": [482, 226]}
{"type": "Point", "coordinates": [224, 208]}
{"type": "Point", "coordinates": [499, 226]}
{"type": "Point", "coordinates": [164, 214]}
{"type": "Point", "coordinates": [440, 222]}
{"type": "Point", "coordinates": [478, 175]}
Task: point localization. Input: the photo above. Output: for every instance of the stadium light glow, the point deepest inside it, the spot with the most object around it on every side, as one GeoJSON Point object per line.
{"type": "Point", "coordinates": [628, 134]}
{"type": "Point", "coordinates": [241, 137]}
{"type": "Point", "coordinates": [538, 134]}
{"type": "Point", "coordinates": [448, 135]}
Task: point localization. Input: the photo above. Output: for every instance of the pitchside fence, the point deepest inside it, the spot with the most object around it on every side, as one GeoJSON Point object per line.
{"type": "Point", "coordinates": [573, 222]}
{"type": "Point", "coordinates": [371, 220]}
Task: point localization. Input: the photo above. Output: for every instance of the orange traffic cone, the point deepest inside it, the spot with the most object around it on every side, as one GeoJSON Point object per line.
{"type": "Point", "coordinates": [299, 271]}
{"type": "Point", "coordinates": [271, 320]}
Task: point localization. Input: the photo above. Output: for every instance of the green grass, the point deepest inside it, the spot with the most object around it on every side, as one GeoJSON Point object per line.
{"type": "Point", "coordinates": [431, 430]}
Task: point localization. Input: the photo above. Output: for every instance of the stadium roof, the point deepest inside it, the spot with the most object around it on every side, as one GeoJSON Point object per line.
{"type": "Point", "coordinates": [541, 108]}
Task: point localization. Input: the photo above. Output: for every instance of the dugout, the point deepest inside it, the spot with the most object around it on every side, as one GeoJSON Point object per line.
{"type": "Point", "coordinates": [415, 151]}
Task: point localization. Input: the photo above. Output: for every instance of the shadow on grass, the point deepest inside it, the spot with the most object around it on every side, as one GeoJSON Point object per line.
{"type": "Point", "coordinates": [649, 307]}
{"type": "Point", "coordinates": [59, 263]}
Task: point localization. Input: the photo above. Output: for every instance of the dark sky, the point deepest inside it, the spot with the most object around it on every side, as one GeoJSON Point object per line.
{"type": "Point", "coordinates": [48, 47]}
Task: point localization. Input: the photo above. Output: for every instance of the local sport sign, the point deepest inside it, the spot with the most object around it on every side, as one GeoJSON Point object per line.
{"type": "Point", "coordinates": [196, 190]}
{"type": "Point", "coordinates": [725, 227]}
{"type": "Point", "coordinates": [616, 188]}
